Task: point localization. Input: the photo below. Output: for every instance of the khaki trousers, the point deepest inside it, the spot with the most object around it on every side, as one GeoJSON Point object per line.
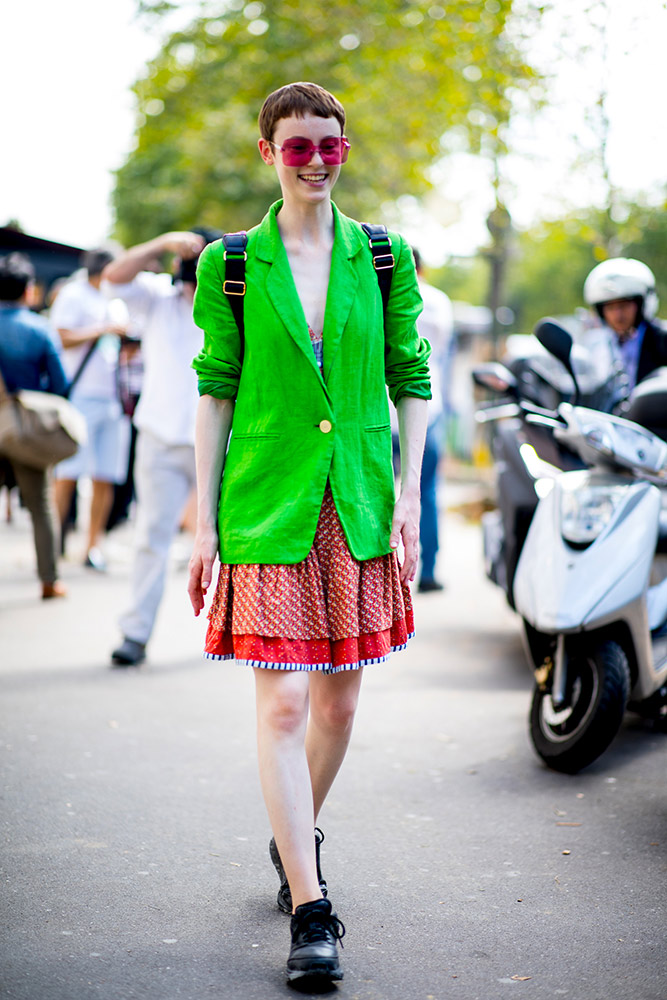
{"type": "Point", "coordinates": [36, 492]}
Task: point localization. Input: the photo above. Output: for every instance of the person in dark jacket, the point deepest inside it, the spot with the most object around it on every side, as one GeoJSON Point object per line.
{"type": "Point", "coordinates": [622, 291]}
{"type": "Point", "coordinates": [29, 360]}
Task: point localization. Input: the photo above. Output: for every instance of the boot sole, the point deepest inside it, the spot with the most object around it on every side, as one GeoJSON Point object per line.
{"type": "Point", "coordinates": [319, 972]}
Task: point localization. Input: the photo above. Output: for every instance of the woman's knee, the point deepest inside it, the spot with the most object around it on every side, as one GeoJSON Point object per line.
{"type": "Point", "coordinates": [282, 709]}
{"type": "Point", "coordinates": [335, 712]}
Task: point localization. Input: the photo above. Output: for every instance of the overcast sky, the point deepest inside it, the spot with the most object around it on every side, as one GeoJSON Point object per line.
{"type": "Point", "coordinates": [68, 66]}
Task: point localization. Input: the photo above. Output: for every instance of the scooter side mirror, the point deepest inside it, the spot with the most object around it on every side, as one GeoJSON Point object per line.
{"type": "Point", "coordinates": [495, 377]}
{"type": "Point", "coordinates": [557, 341]}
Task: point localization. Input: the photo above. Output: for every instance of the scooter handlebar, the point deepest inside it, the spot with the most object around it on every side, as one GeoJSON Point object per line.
{"type": "Point", "coordinates": [496, 411]}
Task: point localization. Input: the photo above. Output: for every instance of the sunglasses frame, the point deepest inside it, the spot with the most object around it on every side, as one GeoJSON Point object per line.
{"type": "Point", "coordinates": [345, 148]}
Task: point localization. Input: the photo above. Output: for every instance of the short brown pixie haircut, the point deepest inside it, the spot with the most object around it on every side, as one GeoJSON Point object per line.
{"type": "Point", "coordinates": [298, 99]}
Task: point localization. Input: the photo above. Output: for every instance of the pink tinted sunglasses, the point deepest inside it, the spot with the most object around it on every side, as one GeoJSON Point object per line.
{"type": "Point", "coordinates": [298, 152]}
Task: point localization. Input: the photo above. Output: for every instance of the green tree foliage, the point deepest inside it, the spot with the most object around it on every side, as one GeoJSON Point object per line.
{"type": "Point", "coordinates": [550, 262]}
{"type": "Point", "coordinates": [463, 279]}
{"type": "Point", "coordinates": [411, 73]}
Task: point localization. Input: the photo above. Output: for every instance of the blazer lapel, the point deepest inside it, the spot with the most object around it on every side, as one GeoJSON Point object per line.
{"type": "Point", "coordinates": [280, 285]}
{"type": "Point", "coordinates": [343, 282]}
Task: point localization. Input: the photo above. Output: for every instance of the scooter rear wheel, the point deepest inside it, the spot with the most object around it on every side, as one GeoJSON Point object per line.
{"type": "Point", "coordinates": [572, 736]}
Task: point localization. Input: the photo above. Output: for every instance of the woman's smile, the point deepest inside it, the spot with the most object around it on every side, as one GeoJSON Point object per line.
{"type": "Point", "coordinates": [314, 178]}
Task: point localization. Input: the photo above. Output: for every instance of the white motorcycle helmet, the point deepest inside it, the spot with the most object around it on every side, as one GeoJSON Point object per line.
{"type": "Point", "coordinates": [622, 278]}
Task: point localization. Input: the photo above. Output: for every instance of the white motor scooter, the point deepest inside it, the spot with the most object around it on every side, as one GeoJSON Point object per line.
{"type": "Point", "coordinates": [589, 584]}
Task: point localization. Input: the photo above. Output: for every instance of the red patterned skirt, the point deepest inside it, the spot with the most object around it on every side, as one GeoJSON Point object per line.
{"type": "Point", "coordinates": [329, 612]}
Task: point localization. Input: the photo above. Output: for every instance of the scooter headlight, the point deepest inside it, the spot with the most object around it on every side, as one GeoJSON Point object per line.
{"type": "Point", "coordinates": [586, 512]}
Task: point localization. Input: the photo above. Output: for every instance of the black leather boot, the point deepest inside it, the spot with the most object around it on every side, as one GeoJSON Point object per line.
{"type": "Point", "coordinates": [284, 893]}
{"type": "Point", "coordinates": [316, 932]}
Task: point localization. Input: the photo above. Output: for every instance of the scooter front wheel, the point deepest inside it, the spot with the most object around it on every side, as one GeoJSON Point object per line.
{"type": "Point", "coordinates": [571, 736]}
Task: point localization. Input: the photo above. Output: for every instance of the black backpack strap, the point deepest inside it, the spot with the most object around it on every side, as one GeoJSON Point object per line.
{"type": "Point", "coordinates": [234, 285]}
{"type": "Point", "coordinates": [383, 259]}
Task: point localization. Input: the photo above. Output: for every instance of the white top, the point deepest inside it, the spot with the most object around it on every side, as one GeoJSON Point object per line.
{"type": "Point", "coordinates": [162, 317]}
{"type": "Point", "coordinates": [435, 324]}
{"type": "Point", "coordinates": [79, 305]}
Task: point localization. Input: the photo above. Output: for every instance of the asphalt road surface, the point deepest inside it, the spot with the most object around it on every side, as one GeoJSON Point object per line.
{"type": "Point", "coordinates": [134, 837]}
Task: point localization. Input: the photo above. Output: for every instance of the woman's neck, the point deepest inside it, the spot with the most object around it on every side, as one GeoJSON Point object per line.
{"type": "Point", "coordinates": [312, 224]}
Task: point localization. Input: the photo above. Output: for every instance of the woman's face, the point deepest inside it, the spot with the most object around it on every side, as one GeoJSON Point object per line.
{"type": "Point", "coordinates": [313, 182]}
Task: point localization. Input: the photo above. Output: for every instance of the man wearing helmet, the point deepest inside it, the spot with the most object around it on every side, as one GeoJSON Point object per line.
{"type": "Point", "coordinates": [622, 291]}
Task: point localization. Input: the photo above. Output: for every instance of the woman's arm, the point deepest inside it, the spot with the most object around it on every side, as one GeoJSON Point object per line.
{"type": "Point", "coordinates": [412, 420]}
{"type": "Point", "coordinates": [214, 421]}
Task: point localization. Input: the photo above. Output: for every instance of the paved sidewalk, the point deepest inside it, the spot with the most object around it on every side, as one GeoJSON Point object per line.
{"type": "Point", "coordinates": [134, 840]}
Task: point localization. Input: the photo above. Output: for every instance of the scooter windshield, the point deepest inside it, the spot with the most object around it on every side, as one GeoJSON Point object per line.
{"type": "Point", "coordinates": [602, 382]}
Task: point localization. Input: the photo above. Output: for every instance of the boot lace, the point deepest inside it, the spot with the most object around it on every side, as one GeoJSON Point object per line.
{"type": "Point", "coordinates": [316, 926]}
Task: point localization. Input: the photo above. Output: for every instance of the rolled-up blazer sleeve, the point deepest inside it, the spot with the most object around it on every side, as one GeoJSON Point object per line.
{"type": "Point", "coordinates": [218, 364]}
{"type": "Point", "coordinates": [406, 353]}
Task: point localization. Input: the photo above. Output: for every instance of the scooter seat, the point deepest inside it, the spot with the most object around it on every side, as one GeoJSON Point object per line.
{"type": "Point", "coordinates": [662, 532]}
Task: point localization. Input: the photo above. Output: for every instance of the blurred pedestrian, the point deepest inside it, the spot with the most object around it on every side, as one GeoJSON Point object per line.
{"type": "Point", "coordinates": [160, 308]}
{"type": "Point", "coordinates": [90, 328]}
{"type": "Point", "coordinates": [28, 360]}
{"type": "Point", "coordinates": [436, 325]}
{"type": "Point", "coordinates": [304, 518]}
{"type": "Point", "coordinates": [130, 381]}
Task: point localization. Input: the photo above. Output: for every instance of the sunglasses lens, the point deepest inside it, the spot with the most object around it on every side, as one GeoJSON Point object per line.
{"type": "Point", "coordinates": [330, 150]}
{"type": "Point", "coordinates": [298, 152]}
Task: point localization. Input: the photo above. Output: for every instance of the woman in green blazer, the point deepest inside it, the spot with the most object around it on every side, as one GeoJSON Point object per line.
{"type": "Point", "coordinates": [304, 518]}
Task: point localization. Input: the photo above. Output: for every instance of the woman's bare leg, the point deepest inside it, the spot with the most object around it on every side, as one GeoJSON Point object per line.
{"type": "Point", "coordinates": [333, 703]}
{"type": "Point", "coordinates": [282, 712]}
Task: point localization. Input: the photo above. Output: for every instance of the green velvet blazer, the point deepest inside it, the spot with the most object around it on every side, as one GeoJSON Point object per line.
{"type": "Point", "coordinates": [295, 427]}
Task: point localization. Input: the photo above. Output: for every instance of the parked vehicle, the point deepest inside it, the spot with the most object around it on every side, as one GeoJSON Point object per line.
{"type": "Point", "coordinates": [533, 381]}
{"type": "Point", "coordinates": [590, 583]}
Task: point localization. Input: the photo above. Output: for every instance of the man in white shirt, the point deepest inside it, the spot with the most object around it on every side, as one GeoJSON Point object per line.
{"type": "Point", "coordinates": [90, 327]}
{"type": "Point", "coordinates": [161, 308]}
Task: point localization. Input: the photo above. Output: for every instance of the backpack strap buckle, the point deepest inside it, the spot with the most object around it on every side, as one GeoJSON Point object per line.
{"type": "Point", "coordinates": [234, 285]}
{"type": "Point", "coordinates": [380, 242]}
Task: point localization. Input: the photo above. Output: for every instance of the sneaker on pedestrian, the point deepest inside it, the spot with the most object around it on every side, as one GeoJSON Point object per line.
{"type": "Point", "coordinates": [55, 589]}
{"type": "Point", "coordinates": [285, 893]}
{"type": "Point", "coordinates": [129, 653]}
{"type": "Point", "coordinates": [316, 931]}
{"type": "Point", "coordinates": [95, 560]}
{"type": "Point", "coordinates": [427, 584]}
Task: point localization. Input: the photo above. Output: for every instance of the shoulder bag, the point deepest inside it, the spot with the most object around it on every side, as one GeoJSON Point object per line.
{"type": "Point", "coordinates": [38, 428]}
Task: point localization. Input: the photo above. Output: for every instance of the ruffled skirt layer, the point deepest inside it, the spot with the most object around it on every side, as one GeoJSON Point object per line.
{"type": "Point", "coordinates": [329, 612]}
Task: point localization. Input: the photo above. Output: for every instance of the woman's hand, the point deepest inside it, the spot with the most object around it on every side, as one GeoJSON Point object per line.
{"type": "Point", "coordinates": [405, 527]}
{"type": "Point", "coordinates": [201, 566]}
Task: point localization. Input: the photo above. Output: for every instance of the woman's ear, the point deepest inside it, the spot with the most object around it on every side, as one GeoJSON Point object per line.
{"type": "Point", "coordinates": [265, 150]}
